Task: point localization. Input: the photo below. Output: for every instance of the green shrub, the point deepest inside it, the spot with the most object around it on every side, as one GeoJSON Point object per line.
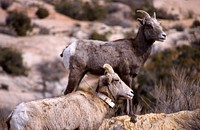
{"type": "Point", "coordinates": [189, 58]}
{"type": "Point", "coordinates": [42, 13]}
{"type": "Point", "coordinates": [185, 57]}
{"type": "Point", "coordinates": [97, 36]}
{"type": "Point", "coordinates": [11, 61]}
{"type": "Point", "coordinates": [82, 10]}
{"type": "Point", "coordinates": [20, 22]}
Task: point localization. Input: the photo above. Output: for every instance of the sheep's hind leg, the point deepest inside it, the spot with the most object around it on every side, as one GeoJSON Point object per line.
{"type": "Point", "coordinates": [75, 76]}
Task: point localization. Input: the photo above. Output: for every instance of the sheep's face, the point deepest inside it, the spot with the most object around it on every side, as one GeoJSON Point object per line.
{"type": "Point", "coordinates": [153, 30]}
{"type": "Point", "coordinates": [151, 27]}
{"type": "Point", "coordinates": [115, 86]}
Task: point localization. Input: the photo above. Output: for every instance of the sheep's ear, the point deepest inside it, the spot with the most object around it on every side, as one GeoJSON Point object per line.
{"type": "Point", "coordinates": [141, 21]}
{"type": "Point", "coordinates": [103, 81]}
{"type": "Point", "coordinates": [106, 79]}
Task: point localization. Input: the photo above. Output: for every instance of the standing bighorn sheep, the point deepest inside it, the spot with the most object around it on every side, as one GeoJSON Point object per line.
{"type": "Point", "coordinates": [126, 56]}
{"type": "Point", "coordinates": [78, 110]}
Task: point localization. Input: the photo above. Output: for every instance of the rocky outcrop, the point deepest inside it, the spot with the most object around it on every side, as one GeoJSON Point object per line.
{"type": "Point", "coordinates": [183, 120]}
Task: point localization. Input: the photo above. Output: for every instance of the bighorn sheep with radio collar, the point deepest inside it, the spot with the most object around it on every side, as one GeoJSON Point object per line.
{"type": "Point", "coordinates": [78, 110]}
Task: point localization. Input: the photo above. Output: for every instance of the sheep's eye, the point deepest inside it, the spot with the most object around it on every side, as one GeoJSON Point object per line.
{"type": "Point", "coordinates": [115, 80]}
{"type": "Point", "coordinates": [149, 26]}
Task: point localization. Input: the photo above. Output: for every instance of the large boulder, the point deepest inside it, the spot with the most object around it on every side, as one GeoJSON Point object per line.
{"type": "Point", "coordinates": [183, 120]}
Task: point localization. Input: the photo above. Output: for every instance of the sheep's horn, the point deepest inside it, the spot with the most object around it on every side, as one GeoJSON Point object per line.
{"type": "Point", "coordinates": [108, 68]}
{"type": "Point", "coordinates": [144, 12]}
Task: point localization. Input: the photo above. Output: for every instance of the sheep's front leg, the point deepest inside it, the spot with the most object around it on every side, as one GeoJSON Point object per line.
{"type": "Point", "coordinates": [128, 80]}
{"type": "Point", "coordinates": [75, 76]}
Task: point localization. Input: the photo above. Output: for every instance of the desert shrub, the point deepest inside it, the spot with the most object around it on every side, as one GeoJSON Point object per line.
{"type": "Point", "coordinates": [162, 14]}
{"type": "Point", "coordinates": [82, 10]}
{"type": "Point", "coordinates": [196, 43]}
{"type": "Point", "coordinates": [189, 59]}
{"type": "Point", "coordinates": [147, 6]}
{"type": "Point", "coordinates": [5, 3]}
{"type": "Point", "coordinates": [196, 23]}
{"type": "Point", "coordinates": [52, 71]}
{"type": "Point", "coordinates": [158, 70]}
{"type": "Point", "coordinates": [182, 94]}
{"type": "Point", "coordinates": [186, 57]}
{"type": "Point", "coordinates": [11, 61]}
{"type": "Point", "coordinates": [19, 22]}
{"type": "Point", "coordinates": [42, 12]}
{"type": "Point", "coordinates": [115, 21]}
{"type": "Point", "coordinates": [178, 27]}
{"type": "Point", "coordinates": [160, 65]}
{"type": "Point", "coordinates": [97, 36]}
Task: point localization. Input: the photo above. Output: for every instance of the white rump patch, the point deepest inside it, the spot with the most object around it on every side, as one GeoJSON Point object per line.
{"type": "Point", "coordinates": [68, 52]}
{"type": "Point", "coordinates": [19, 117]}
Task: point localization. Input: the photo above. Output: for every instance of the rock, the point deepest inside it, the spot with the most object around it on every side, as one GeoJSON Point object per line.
{"type": "Point", "coordinates": [183, 120]}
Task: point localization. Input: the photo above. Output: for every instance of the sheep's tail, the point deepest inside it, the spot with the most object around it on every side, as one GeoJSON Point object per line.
{"type": "Point", "coordinates": [108, 68]}
{"type": "Point", "coordinates": [61, 55]}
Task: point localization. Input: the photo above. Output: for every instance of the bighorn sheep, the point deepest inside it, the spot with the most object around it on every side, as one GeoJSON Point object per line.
{"type": "Point", "coordinates": [78, 110]}
{"type": "Point", "coordinates": [126, 56]}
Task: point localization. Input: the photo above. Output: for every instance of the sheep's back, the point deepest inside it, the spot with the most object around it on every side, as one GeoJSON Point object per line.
{"type": "Point", "coordinates": [78, 109]}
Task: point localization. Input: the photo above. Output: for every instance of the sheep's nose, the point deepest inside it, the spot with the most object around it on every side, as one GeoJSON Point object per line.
{"type": "Point", "coordinates": [132, 92]}
{"type": "Point", "coordinates": [164, 35]}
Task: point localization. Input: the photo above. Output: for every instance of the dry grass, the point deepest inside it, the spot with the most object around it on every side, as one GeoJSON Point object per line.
{"type": "Point", "coordinates": [182, 94]}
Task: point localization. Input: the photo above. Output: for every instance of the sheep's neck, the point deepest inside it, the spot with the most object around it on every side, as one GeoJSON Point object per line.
{"type": "Point", "coordinates": [106, 99]}
{"type": "Point", "coordinates": [105, 91]}
{"type": "Point", "coordinates": [141, 44]}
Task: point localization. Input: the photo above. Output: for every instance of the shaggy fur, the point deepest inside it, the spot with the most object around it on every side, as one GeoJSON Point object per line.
{"type": "Point", "coordinates": [78, 110]}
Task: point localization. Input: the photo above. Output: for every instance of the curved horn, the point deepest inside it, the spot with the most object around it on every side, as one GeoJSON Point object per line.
{"type": "Point", "coordinates": [108, 68]}
{"type": "Point", "coordinates": [144, 12]}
